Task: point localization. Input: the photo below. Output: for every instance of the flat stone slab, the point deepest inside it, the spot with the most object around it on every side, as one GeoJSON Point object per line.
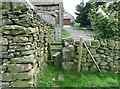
{"type": "Point", "coordinates": [61, 77]}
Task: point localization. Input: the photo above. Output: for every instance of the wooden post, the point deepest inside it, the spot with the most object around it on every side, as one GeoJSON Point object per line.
{"type": "Point", "coordinates": [49, 52]}
{"type": "Point", "coordinates": [92, 58]}
{"type": "Point", "coordinates": [80, 54]}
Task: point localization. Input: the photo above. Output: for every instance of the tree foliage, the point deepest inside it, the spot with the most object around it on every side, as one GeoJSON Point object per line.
{"type": "Point", "coordinates": [105, 20]}
{"type": "Point", "coordinates": [82, 14]}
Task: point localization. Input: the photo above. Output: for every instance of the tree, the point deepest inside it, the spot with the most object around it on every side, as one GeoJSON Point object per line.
{"type": "Point", "coordinates": [105, 19]}
{"type": "Point", "coordinates": [82, 14]}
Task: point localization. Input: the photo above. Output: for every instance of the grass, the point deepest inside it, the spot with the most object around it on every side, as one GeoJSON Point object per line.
{"type": "Point", "coordinates": [55, 47]}
{"type": "Point", "coordinates": [75, 26]}
{"type": "Point", "coordinates": [74, 79]}
{"type": "Point", "coordinates": [65, 33]}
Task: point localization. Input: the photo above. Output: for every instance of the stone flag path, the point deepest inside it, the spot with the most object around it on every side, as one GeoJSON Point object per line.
{"type": "Point", "coordinates": [77, 34]}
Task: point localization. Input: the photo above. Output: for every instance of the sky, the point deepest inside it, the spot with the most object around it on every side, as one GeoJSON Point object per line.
{"type": "Point", "coordinates": [69, 6]}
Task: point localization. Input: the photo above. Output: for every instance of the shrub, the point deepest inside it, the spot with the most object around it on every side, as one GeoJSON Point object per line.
{"type": "Point", "coordinates": [104, 20]}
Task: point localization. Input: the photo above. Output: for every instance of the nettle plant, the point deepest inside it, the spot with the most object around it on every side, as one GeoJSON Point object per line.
{"type": "Point", "coordinates": [105, 20]}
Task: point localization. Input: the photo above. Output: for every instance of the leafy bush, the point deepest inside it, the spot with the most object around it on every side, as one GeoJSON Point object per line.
{"type": "Point", "coordinates": [104, 20]}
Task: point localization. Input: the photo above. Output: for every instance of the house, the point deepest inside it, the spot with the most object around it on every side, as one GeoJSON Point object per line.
{"type": "Point", "coordinates": [68, 19]}
{"type": "Point", "coordinates": [52, 12]}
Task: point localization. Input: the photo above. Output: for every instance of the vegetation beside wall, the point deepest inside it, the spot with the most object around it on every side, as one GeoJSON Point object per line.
{"type": "Point", "coordinates": [105, 20]}
{"type": "Point", "coordinates": [74, 79]}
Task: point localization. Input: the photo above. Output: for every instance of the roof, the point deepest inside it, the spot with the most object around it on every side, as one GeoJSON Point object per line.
{"type": "Point", "coordinates": [40, 2]}
{"type": "Point", "coordinates": [68, 16]}
{"type": "Point", "coordinates": [48, 3]}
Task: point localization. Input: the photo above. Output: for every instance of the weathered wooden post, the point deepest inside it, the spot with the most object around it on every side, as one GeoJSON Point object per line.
{"type": "Point", "coordinates": [80, 54]}
{"type": "Point", "coordinates": [49, 51]}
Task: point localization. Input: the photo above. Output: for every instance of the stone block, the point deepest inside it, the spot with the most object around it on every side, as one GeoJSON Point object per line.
{"type": "Point", "coordinates": [116, 57]}
{"type": "Point", "coordinates": [13, 29]}
{"type": "Point", "coordinates": [16, 54]}
{"type": "Point", "coordinates": [95, 43]}
{"type": "Point", "coordinates": [108, 51]}
{"type": "Point", "coordinates": [93, 68]}
{"type": "Point", "coordinates": [18, 12]}
{"type": "Point", "coordinates": [111, 44]}
{"type": "Point", "coordinates": [20, 39]}
{"type": "Point", "coordinates": [83, 60]}
{"type": "Point", "coordinates": [88, 43]}
{"type": "Point", "coordinates": [87, 64]}
{"type": "Point", "coordinates": [88, 56]}
{"type": "Point", "coordinates": [7, 21]}
{"type": "Point", "coordinates": [61, 77]}
{"type": "Point", "coordinates": [20, 48]}
{"type": "Point", "coordinates": [68, 53]}
{"type": "Point", "coordinates": [3, 48]}
{"type": "Point", "coordinates": [4, 85]}
{"type": "Point", "coordinates": [6, 61]}
{"type": "Point", "coordinates": [98, 60]}
{"type": "Point", "coordinates": [85, 68]}
{"type": "Point", "coordinates": [27, 52]}
{"type": "Point", "coordinates": [89, 60]}
{"type": "Point", "coordinates": [101, 51]}
{"type": "Point", "coordinates": [104, 67]}
{"type": "Point", "coordinates": [22, 76]}
{"type": "Point", "coordinates": [103, 43]}
{"type": "Point", "coordinates": [96, 56]}
{"type": "Point", "coordinates": [102, 56]}
{"type": "Point", "coordinates": [7, 77]}
{"type": "Point", "coordinates": [109, 59]}
{"type": "Point", "coordinates": [3, 41]}
{"type": "Point", "coordinates": [3, 67]}
{"type": "Point", "coordinates": [6, 5]}
{"type": "Point", "coordinates": [104, 48]}
{"type": "Point", "coordinates": [30, 39]}
{"type": "Point", "coordinates": [117, 45]}
{"type": "Point", "coordinates": [17, 68]}
{"type": "Point", "coordinates": [28, 83]}
{"type": "Point", "coordinates": [57, 57]}
{"type": "Point", "coordinates": [5, 55]}
{"type": "Point", "coordinates": [115, 68]}
{"type": "Point", "coordinates": [23, 22]}
{"type": "Point", "coordinates": [111, 63]}
{"type": "Point", "coordinates": [32, 30]}
{"type": "Point", "coordinates": [67, 65]}
{"type": "Point", "coordinates": [24, 59]}
{"type": "Point", "coordinates": [116, 62]}
{"type": "Point", "coordinates": [93, 51]}
{"type": "Point", "coordinates": [103, 63]}
{"type": "Point", "coordinates": [5, 13]}
{"type": "Point", "coordinates": [84, 51]}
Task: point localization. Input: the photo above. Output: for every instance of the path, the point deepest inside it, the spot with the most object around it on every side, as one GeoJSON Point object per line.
{"type": "Point", "coordinates": [77, 34]}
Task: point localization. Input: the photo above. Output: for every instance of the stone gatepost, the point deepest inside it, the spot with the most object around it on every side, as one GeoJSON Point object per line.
{"type": "Point", "coordinates": [68, 53]}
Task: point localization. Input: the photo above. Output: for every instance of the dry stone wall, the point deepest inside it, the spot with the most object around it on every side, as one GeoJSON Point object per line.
{"type": "Point", "coordinates": [23, 45]}
{"type": "Point", "coordinates": [105, 52]}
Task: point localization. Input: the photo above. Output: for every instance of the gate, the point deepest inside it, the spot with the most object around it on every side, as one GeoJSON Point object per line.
{"type": "Point", "coordinates": [55, 53]}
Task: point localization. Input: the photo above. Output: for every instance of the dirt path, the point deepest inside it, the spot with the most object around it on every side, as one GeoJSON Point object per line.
{"type": "Point", "coordinates": [77, 34]}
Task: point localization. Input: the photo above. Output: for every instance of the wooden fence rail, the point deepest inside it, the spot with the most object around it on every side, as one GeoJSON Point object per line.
{"type": "Point", "coordinates": [50, 49]}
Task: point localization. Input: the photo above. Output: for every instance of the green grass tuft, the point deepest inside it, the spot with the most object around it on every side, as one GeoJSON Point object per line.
{"type": "Point", "coordinates": [74, 79]}
{"type": "Point", "coordinates": [65, 33]}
